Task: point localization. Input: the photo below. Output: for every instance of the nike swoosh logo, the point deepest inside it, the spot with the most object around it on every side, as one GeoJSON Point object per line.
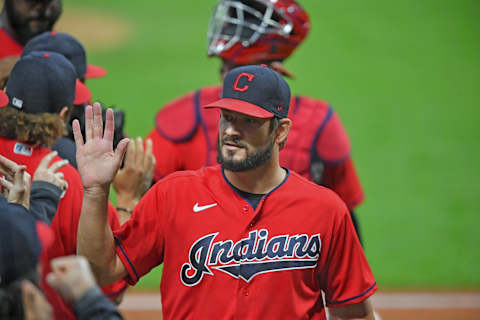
{"type": "Point", "coordinates": [197, 208]}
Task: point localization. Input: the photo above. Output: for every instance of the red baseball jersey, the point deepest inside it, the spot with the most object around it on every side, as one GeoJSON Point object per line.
{"type": "Point", "coordinates": [65, 223]}
{"type": "Point", "coordinates": [8, 46]}
{"type": "Point", "coordinates": [317, 148]}
{"type": "Point", "coordinates": [225, 260]}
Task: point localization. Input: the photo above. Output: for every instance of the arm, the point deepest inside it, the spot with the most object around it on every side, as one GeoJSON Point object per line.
{"type": "Point", "coordinates": [44, 198]}
{"type": "Point", "coordinates": [98, 165]}
{"type": "Point", "coordinates": [134, 179]}
{"type": "Point", "coordinates": [361, 310]}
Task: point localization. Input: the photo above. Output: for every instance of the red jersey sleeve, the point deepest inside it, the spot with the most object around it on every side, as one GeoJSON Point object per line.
{"type": "Point", "coordinates": [140, 240]}
{"type": "Point", "coordinates": [333, 146]}
{"type": "Point", "coordinates": [347, 278]}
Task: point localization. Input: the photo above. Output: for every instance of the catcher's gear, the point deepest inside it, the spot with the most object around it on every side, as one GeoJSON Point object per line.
{"type": "Point", "coordinates": [253, 31]}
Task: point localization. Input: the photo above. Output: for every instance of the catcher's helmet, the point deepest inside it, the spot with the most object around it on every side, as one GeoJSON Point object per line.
{"type": "Point", "coordinates": [253, 31]}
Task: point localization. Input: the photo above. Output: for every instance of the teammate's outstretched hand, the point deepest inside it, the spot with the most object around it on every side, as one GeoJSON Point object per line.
{"type": "Point", "coordinates": [97, 162]}
{"type": "Point", "coordinates": [50, 174]}
{"type": "Point", "coordinates": [16, 182]}
{"type": "Point", "coordinates": [135, 178]}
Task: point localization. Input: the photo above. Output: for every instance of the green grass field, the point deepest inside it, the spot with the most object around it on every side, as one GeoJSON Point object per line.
{"type": "Point", "coordinates": [404, 76]}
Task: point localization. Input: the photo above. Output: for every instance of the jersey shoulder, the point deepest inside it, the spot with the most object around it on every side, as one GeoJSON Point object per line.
{"type": "Point", "coordinates": [192, 176]}
{"type": "Point", "coordinates": [9, 46]}
{"type": "Point", "coordinates": [307, 191]}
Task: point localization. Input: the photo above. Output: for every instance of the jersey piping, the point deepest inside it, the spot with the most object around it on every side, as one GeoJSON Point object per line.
{"type": "Point", "coordinates": [353, 298]}
{"type": "Point", "coordinates": [263, 198]}
{"type": "Point", "coordinates": [313, 151]}
{"type": "Point", "coordinates": [118, 244]}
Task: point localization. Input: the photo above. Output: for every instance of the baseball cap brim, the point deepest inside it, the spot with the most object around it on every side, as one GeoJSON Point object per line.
{"type": "Point", "coordinates": [95, 72]}
{"type": "Point", "coordinates": [240, 106]}
{"type": "Point", "coordinates": [82, 94]}
{"type": "Point", "coordinates": [3, 99]}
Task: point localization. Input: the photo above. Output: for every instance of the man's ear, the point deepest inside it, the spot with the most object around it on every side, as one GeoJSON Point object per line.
{"type": "Point", "coordinates": [63, 114]}
{"type": "Point", "coordinates": [282, 131]}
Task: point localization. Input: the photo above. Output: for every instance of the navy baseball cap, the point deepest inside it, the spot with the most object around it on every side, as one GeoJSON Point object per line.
{"type": "Point", "coordinates": [257, 91]}
{"type": "Point", "coordinates": [3, 99]}
{"type": "Point", "coordinates": [44, 82]}
{"type": "Point", "coordinates": [69, 47]}
{"type": "Point", "coordinates": [22, 241]}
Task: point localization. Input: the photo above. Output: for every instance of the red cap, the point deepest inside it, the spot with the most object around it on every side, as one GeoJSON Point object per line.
{"type": "Point", "coordinates": [95, 72]}
{"type": "Point", "coordinates": [82, 93]}
{"type": "Point", "coordinates": [3, 99]}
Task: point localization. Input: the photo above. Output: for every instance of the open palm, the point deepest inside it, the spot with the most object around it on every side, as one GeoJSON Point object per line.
{"type": "Point", "coordinates": [97, 162]}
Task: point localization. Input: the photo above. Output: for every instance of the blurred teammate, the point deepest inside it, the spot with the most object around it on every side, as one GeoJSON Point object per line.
{"type": "Point", "coordinates": [22, 242]}
{"type": "Point", "coordinates": [68, 46]}
{"type": "Point", "coordinates": [41, 89]}
{"type": "Point", "coordinates": [258, 32]}
{"type": "Point", "coordinates": [21, 20]}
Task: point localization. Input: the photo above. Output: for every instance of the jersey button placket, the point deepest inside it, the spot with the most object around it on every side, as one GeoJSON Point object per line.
{"type": "Point", "coordinates": [245, 209]}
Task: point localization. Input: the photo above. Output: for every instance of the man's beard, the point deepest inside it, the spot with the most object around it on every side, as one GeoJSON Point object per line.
{"type": "Point", "coordinates": [261, 156]}
{"type": "Point", "coordinates": [21, 25]}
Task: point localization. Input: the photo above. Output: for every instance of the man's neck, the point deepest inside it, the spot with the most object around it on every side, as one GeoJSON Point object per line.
{"type": "Point", "coordinates": [260, 180]}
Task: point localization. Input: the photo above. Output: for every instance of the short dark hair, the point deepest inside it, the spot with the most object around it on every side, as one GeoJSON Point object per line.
{"type": "Point", "coordinates": [274, 124]}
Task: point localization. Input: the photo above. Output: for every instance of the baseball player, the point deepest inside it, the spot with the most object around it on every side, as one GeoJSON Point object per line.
{"type": "Point", "coordinates": [73, 50]}
{"type": "Point", "coordinates": [249, 239]}
{"type": "Point", "coordinates": [41, 87]}
{"type": "Point", "coordinates": [21, 20]}
{"type": "Point", "coordinates": [256, 32]}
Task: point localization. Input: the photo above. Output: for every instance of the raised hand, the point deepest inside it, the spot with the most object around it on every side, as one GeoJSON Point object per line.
{"type": "Point", "coordinates": [135, 178]}
{"type": "Point", "coordinates": [97, 162]}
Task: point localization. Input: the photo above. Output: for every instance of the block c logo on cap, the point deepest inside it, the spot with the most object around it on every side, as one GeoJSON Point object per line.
{"type": "Point", "coordinates": [245, 87]}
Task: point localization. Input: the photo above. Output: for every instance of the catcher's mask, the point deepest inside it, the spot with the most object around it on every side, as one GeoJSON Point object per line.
{"type": "Point", "coordinates": [253, 31]}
